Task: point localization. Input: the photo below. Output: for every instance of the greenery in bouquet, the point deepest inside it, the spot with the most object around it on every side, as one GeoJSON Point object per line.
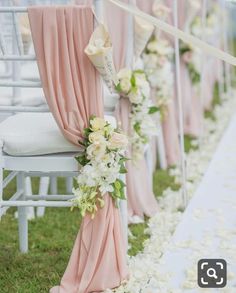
{"type": "Point", "coordinates": [135, 86]}
{"type": "Point", "coordinates": [102, 161]}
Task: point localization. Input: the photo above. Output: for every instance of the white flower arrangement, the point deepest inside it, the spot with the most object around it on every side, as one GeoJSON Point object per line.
{"type": "Point", "coordinates": [135, 86]}
{"type": "Point", "coordinates": [157, 59]}
{"type": "Point", "coordinates": [192, 55]}
{"type": "Point", "coordinates": [102, 163]}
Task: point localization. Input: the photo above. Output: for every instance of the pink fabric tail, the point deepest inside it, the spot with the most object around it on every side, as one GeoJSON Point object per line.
{"type": "Point", "coordinates": [170, 133]}
{"type": "Point", "coordinates": [97, 260]}
{"type": "Point", "coordinates": [193, 113]}
{"type": "Point", "coordinates": [141, 200]}
{"type": "Point", "coordinates": [73, 92]}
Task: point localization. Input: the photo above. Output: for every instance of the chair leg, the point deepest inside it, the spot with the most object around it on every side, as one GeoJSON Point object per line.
{"type": "Point", "coordinates": [149, 160]}
{"type": "Point", "coordinates": [53, 184]}
{"type": "Point", "coordinates": [43, 190]}
{"type": "Point", "coordinates": [69, 185]}
{"type": "Point", "coordinates": [28, 192]}
{"type": "Point", "coordinates": [124, 213]}
{"type": "Point", "coordinates": [161, 149]}
{"type": "Point", "coordinates": [1, 175]}
{"type": "Point", "coordinates": [22, 216]}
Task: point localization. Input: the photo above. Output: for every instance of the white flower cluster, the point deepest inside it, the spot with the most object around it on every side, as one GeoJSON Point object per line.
{"type": "Point", "coordinates": [192, 55]}
{"type": "Point", "coordinates": [102, 162]}
{"type": "Point", "coordinates": [158, 67]}
{"type": "Point", "coordinates": [134, 86]}
{"type": "Point", "coordinates": [147, 275]}
{"type": "Point", "coordinates": [211, 25]}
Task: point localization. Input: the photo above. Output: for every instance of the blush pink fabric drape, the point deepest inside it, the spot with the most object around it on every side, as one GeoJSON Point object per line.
{"type": "Point", "coordinates": [141, 200]}
{"type": "Point", "coordinates": [193, 112]}
{"type": "Point", "coordinates": [73, 91]}
{"type": "Point", "coordinates": [169, 125]}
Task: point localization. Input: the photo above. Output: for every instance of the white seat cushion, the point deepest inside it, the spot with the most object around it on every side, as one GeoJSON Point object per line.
{"type": "Point", "coordinates": [29, 134]}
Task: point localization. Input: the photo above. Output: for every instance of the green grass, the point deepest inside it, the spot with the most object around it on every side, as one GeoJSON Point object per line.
{"type": "Point", "coordinates": [209, 114]}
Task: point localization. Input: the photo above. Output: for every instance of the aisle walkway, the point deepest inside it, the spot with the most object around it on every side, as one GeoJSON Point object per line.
{"type": "Point", "coordinates": [208, 227]}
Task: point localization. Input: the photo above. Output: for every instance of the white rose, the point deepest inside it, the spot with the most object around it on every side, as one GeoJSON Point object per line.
{"type": "Point", "coordinates": [124, 73]}
{"type": "Point", "coordinates": [97, 151]}
{"type": "Point", "coordinates": [97, 123]}
{"type": "Point", "coordinates": [135, 97]}
{"type": "Point", "coordinates": [117, 141]}
{"type": "Point", "coordinates": [96, 137]}
{"type": "Point", "coordinates": [125, 85]}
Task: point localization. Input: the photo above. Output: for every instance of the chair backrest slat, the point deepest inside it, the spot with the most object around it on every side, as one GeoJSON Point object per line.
{"type": "Point", "coordinates": [18, 38]}
{"type": "Point", "coordinates": [13, 33]}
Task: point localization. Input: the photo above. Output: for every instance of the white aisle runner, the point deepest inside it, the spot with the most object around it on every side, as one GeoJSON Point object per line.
{"type": "Point", "coordinates": [208, 226]}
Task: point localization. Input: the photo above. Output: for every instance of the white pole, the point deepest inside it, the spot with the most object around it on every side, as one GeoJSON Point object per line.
{"type": "Point", "coordinates": [221, 63]}
{"type": "Point", "coordinates": [231, 43]}
{"type": "Point", "coordinates": [99, 9]}
{"type": "Point", "coordinates": [203, 61]}
{"type": "Point", "coordinates": [130, 40]}
{"type": "Point", "coordinates": [16, 69]}
{"type": "Point", "coordinates": [180, 108]}
{"type": "Point", "coordinates": [129, 64]}
{"type": "Point", "coordinates": [226, 48]}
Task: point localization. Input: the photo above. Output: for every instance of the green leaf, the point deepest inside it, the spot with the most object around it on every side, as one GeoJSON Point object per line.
{"type": "Point", "coordinates": [137, 127]}
{"type": "Point", "coordinates": [153, 110]}
{"type": "Point", "coordinates": [121, 182]}
{"type": "Point", "coordinates": [123, 170]}
{"type": "Point", "coordinates": [133, 81]}
{"type": "Point", "coordinates": [139, 71]}
{"type": "Point", "coordinates": [118, 88]}
{"type": "Point", "coordinates": [82, 160]}
{"type": "Point", "coordinates": [117, 185]}
{"type": "Point", "coordinates": [123, 159]}
{"type": "Point", "coordinates": [83, 143]}
{"type": "Point", "coordinates": [87, 131]}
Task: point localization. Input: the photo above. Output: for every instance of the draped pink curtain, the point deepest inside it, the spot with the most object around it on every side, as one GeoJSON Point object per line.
{"type": "Point", "coordinates": [141, 200]}
{"type": "Point", "coordinates": [193, 113]}
{"type": "Point", "coordinates": [73, 92]}
{"type": "Point", "coordinates": [169, 125]}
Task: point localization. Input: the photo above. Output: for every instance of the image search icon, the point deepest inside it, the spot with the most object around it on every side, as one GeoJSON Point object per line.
{"type": "Point", "coordinates": [212, 273]}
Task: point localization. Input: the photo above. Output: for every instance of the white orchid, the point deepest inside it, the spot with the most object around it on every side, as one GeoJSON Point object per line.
{"type": "Point", "coordinates": [102, 162]}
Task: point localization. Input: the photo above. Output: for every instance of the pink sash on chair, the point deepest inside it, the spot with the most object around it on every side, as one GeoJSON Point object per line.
{"type": "Point", "coordinates": [141, 200]}
{"type": "Point", "coordinates": [193, 113]}
{"type": "Point", "coordinates": [73, 91]}
{"type": "Point", "coordinates": [169, 125]}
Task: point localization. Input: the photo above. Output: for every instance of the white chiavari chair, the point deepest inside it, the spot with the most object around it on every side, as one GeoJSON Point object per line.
{"type": "Point", "coordinates": [32, 146]}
